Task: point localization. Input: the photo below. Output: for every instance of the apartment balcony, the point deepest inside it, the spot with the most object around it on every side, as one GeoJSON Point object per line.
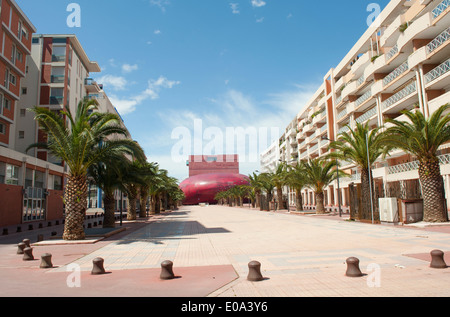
{"type": "Point", "coordinates": [390, 35]}
{"type": "Point", "coordinates": [395, 74]}
{"type": "Point", "coordinates": [91, 85]}
{"type": "Point", "coordinates": [440, 10]}
{"type": "Point", "coordinates": [364, 98]}
{"type": "Point", "coordinates": [392, 52]}
{"type": "Point", "coordinates": [400, 97]}
{"type": "Point", "coordinates": [437, 102]}
{"type": "Point", "coordinates": [57, 79]}
{"type": "Point", "coordinates": [56, 100]}
{"type": "Point", "coordinates": [367, 115]}
{"type": "Point", "coordinates": [343, 129]}
{"type": "Point", "coordinates": [341, 114]}
{"type": "Point", "coordinates": [438, 77]}
{"type": "Point", "coordinates": [58, 58]}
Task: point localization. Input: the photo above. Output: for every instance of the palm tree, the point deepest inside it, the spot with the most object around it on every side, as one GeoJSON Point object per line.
{"type": "Point", "coordinates": [86, 141]}
{"type": "Point", "coordinates": [147, 171]}
{"type": "Point", "coordinates": [256, 184]}
{"type": "Point", "coordinates": [319, 174]}
{"type": "Point", "coordinates": [296, 179]}
{"type": "Point", "coordinates": [268, 187]}
{"type": "Point", "coordinates": [422, 138]}
{"type": "Point", "coordinates": [362, 146]}
{"type": "Point", "coordinates": [279, 180]}
{"type": "Point", "coordinates": [107, 176]}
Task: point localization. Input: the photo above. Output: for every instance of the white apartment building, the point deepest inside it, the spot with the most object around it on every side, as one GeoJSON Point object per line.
{"type": "Point", "coordinates": [270, 158]}
{"type": "Point", "coordinates": [402, 62]}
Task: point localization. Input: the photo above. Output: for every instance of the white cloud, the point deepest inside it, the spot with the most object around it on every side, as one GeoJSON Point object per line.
{"type": "Point", "coordinates": [128, 105]}
{"type": "Point", "coordinates": [258, 3]}
{"type": "Point", "coordinates": [234, 8]}
{"type": "Point", "coordinates": [115, 82]}
{"type": "Point", "coordinates": [160, 4]}
{"type": "Point", "coordinates": [127, 68]}
{"type": "Point", "coordinates": [157, 32]}
{"type": "Point", "coordinates": [260, 20]}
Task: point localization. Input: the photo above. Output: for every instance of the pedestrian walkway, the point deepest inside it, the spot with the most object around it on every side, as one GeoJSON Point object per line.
{"type": "Point", "coordinates": [211, 246]}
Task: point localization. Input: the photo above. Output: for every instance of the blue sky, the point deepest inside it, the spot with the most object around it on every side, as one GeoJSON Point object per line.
{"type": "Point", "coordinates": [236, 63]}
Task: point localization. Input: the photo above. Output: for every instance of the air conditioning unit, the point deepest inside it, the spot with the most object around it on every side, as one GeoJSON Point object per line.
{"type": "Point", "coordinates": [388, 210]}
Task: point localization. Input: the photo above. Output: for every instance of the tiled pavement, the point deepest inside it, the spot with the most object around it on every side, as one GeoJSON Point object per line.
{"type": "Point", "coordinates": [300, 256]}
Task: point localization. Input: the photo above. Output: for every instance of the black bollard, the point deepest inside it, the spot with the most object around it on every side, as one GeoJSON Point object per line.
{"type": "Point", "coordinates": [97, 267]}
{"type": "Point", "coordinates": [437, 260]}
{"type": "Point", "coordinates": [254, 272]}
{"type": "Point", "coordinates": [46, 261]}
{"type": "Point", "coordinates": [28, 254]}
{"type": "Point", "coordinates": [20, 247]}
{"type": "Point", "coordinates": [353, 267]}
{"type": "Point", "coordinates": [167, 270]}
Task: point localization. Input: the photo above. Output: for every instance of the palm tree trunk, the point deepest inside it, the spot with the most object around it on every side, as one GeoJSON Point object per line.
{"type": "Point", "coordinates": [143, 205]}
{"type": "Point", "coordinates": [299, 200]}
{"type": "Point", "coordinates": [365, 211]}
{"type": "Point", "coordinates": [280, 197]}
{"type": "Point", "coordinates": [320, 208]}
{"type": "Point", "coordinates": [432, 191]}
{"type": "Point", "coordinates": [109, 219]}
{"type": "Point", "coordinates": [75, 199]}
{"type": "Point", "coordinates": [152, 205]}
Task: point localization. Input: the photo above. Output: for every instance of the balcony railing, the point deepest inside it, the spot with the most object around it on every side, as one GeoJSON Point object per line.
{"type": "Point", "coordinates": [438, 41]}
{"type": "Point", "coordinates": [57, 79]}
{"type": "Point", "coordinates": [342, 114]}
{"type": "Point", "coordinates": [360, 80]}
{"type": "Point", "coordinates": [58, 58]}
{"type": "Point", "coordinates": [408, 90]}
{"type": "Point", "coordinates": [369, 114]}
{"type": "Point", "coordinates": [313, 148]}
{"type": "Point", "coordinates": [441, 7]}
{"type": "Point", "coordinates": [392, 52]}
{"type": "Point", "coordinates": [343, 129]}
{"type": "Point", "coordinates": [413, 166]}
{"type": "Point", "coordinates": [56, 100]}
{"type": "Point", "coordinates": [438, 71]}
{"type": "Point", "coordinates": [396, 73]}
{"type": "Point", "coordinates": [363, 98]}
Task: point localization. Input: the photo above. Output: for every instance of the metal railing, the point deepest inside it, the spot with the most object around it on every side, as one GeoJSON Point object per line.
{"type": "Point", "coordinates": [413, 166]}
{"type": "Point", "coordinates": [438, 41]}
{"type": "Point", "coordinates": [342, 114]}
{"type": "Point", "coordinates": [396, 73]}
{"type": "Point", "coordinates": [437, 72]}
{"type": "Point", "coordinates": [343, 129]}
{"type": "Point", "coordinates": [441, 7]}
{"type": "Point", "coordinates": [363, 98]}
{"type": "Point", "coordinates": [369, 114]}
{"type": "Point", "coordinates": [392, 52]}
{"type": "Point", "coordinates": [408, 90]}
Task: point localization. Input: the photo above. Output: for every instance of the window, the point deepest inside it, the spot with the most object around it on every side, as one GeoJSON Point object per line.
{"type": "Point", "coordinates": [13, 54]}
{"type": "Point", "coordinates": [12, 79]}
{"type": "Point", "coordinates": [6, 78]}
{"type": "Point", "coordinates": [19, 30]}
{"type": "Point", "coordinates": [24, 91]}
{"type": "Point", "coordinates": [19, 56]}
{"type": "Point", "coordinates": [12, 174]}
{"type": "Point", "coordinates": [56, 96]}
{"type": "Point", "coordinates": [59, 54]}
{"type": "Point", "coordinates": [21, 134]}
{"type": "Point", "coordinates": [2, 128]}
{"type": "Point", "coordinates": [58, 75]}
{"type": "Point", "coordinates": [6, 103]}
{"type": "Point", "coordinates": [24, 33]}
{"type": "Point", "coordinates": [35, 40]}
{"type": "Point", "coordinates": [23, 112]}
{"type": "Point", "coordinates": [1, 104]}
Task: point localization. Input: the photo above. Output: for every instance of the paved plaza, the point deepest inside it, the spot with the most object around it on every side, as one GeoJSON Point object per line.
{"type": "Point", "coordinates": [300, 256]}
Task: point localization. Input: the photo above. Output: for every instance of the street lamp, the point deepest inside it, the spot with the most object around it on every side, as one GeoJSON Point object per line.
{"type": "Point", "coordinates": [338, 189]}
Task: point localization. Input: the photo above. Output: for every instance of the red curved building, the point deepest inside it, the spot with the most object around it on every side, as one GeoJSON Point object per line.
{"type": "Point", "coordinates": [203, 188]}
